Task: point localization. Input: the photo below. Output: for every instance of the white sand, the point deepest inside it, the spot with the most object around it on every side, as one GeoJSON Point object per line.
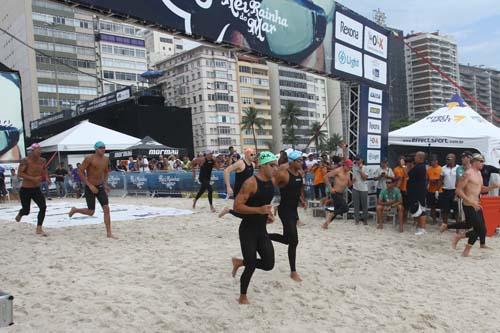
{"type": "Point", "coordinates": [173, 275]}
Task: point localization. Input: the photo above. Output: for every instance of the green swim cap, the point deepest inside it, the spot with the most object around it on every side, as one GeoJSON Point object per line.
{"type": "Point", "coordinates": [266, 157]}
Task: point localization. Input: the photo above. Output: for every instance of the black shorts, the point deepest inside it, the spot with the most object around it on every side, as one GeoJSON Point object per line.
{"type": "Point", "coordinates": [339, 203]}
{"type": "Point", "coordinates": [101, 196]}
{"type": "Point", "coordinates": [447, 201]}
{"type": "Point", "coordinates": [431, 200]}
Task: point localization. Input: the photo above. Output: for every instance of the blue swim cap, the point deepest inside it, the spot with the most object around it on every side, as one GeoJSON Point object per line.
{"type": "Point", "coordinates": [99, 144]}
{"type": "Point", "coordinates": [294, 155]}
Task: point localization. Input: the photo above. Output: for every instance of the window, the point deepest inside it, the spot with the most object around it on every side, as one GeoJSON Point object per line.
{"type": "Point", "coordinates": [246, 100]}
{"type": "Point", "coordinates": [246, 91]}
{"type": "Point", "coordinates": [220, 74]}
{"type": "Point", "coordinates": [109, 75]}
{"type": "Point", "coordinates": [166, 40]}
{"type": "Point", "coordinates": [245, 79]}
{"type": "Point", "coordinates": [221, 85]}
{"type": "Point", "coordinates": [245, 69]}
{"type": "Point", "coordinates": [222, 107]}
{"type": "Point", "coordinates": [178, 47]}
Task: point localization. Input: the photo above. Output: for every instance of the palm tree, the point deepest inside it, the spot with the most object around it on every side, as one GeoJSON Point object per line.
{"type": "Point", "coordinates": [250, 121]}
{"type": "Point", "coordinates": [332, 143]}
{"type": "Point", "coordinates": [318, 135]}
{"type": "Point", "coordinates": [290, 118]}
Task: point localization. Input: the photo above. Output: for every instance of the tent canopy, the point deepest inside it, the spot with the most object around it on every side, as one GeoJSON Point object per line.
{"type": "Point", "coordinates": [147, 147]}
{"type": "Point", "coordinates": [83, 136]}
{"type": "Point", "coordinates": [454, 126]}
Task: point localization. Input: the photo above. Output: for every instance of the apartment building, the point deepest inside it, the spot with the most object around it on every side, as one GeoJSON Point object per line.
{"type": "Point", "coordinates": [484, 84]}
{"type": "Point", "coordinates": [160, 46]}
{"type": "Point", "coordinates": [427, 89]}
{"type": "Point", "coordinates": [204, 79]}
{"type": "Point", "coordinates": [253, 88]}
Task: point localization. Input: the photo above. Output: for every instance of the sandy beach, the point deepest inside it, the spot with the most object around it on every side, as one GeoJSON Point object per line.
{"type": "Point", "coordinates": [172, 274]}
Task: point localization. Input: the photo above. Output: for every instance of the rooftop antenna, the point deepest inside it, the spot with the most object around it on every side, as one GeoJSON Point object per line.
{"type": "Point", "coordinates": [379, 17]}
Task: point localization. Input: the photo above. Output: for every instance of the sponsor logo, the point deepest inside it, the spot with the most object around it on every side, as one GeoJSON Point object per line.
{"type": "Point", "coordinates": [375, 42]}
{"type": "Point", "coordinates": [375, 70]}
{"type": "Point", "coordinates": [374, 110]}
{"type": "Point", "coordinates": [458, 118]}
{"type": "Point", "coordinates": [375, 95]}
{"type": "Point", "coordinates": [348, 60]}
{"type": "Point", "coordinates": [348, 30]}
{"type": "Point", "coordinates": [373, 156]}
{"type": "Point", "coordinates": [163, 151]}
{"type": "Point", "coordinates": [373, 141]}
{"type": "Point", "coordinates": [122, 95]}
{"type": "Point", "coordinates": [434, 140]}
{"type": "Point", "coordinates": [439, 119]}
{"type": "Point", "coordinates": [168, 181]}
{"type": "Point", "coordinates": [374, 126]}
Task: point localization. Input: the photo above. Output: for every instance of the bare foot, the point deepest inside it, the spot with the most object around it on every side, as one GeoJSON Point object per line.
{"type": "Point", "coordinates": [300, 223]}
{"type": "Point", "coordinates": [237, 263]}
{"type": "Point", "coordinates": [325, 225]}
{"type": "Point", "coordinates": [295, 277]}
{"type": "Point", "coordinates": [466, 250]}
{"type": "Point", "coordinates": [365, 223]}
{"type": "Point", "coordinates": [72, 212]}
{"type": "Point", "coordinates": [194, 203]}
{"type": "Point", "coordinates": [225, 211]}
{"type": "Point", "coordinates": [39, 231]}
{"type": "Point", "coordinates": [356, 222]}
{"type": "Point", "coordinates": [380, 226]}
{"type": "Point", "coordinates": [456, 239]}
{"type": "Point", "coordinates": [401, 229]}
{"type": "Point", "coordinates": [443, 227]}
{"type": "Point", "coordinates": [484, 247]}
{"type": "Point", "coordinates": [111, 236]}
{"type": "Point", "coordinates": [212, 209]}
{"type": "Point", "coordinates": [18, 218]}
{"type": "Point", "coordinates": [243, 299]}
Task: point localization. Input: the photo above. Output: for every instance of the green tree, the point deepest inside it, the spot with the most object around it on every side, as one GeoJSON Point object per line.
{"type": "Point", "coordinates": [318, 135]}
{"type": "Point", "coordinates": [251, 121]}
{"type": "Point", "coordinates": [399, 123]}
{"type": "Point", "coordinates": [290, 118]}
{"type": "Point", "coordinates": [332, 143]}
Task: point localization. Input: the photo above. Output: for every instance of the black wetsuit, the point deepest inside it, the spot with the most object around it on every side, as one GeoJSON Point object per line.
{"type": "Point", "coordinates": [287, 211]}
{"type": "Point", "coordinates": [473, 219]}
{"type": "Point", "coordinates": [241, 177]}
{"type": "Point", "coordinates": [238, 183]}
{"type": "Point", "coordinates": [28, 193]}
{"type": "Point", "coordinates": [253, 235]}
{"type": "Point", "coordinates": [204, 178]}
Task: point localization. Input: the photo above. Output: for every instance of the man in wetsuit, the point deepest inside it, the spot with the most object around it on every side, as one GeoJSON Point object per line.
{"type": "Point", "coordinates": [31, 169]}
{"type": "Point", "coordinates": [417, 190]}
{"type": "Point", "coordinates": [94, 174]}
{"type": "Point", "coordinates": [291, 184]}
{"type": "Point", "coordinates": [206, 165]}
{"type": "Point", "coordinates": [254, 200]}
{"type": "Point", "coordinates": [469, 188]}
{"type": "Point", "coordinates": [342, 180]}
{"type": "Point", "coordinates": [244, 170]}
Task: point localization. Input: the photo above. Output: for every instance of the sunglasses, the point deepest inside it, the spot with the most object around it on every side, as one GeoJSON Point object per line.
{"type": "Point", "coordinates": [101, 147]}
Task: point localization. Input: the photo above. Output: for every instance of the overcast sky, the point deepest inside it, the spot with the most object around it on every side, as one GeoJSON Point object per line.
{"type": "Point", "coordinates": [475, 24]}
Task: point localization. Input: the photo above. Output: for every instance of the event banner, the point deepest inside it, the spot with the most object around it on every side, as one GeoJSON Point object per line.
{"type": "Point", "coordinates": [373, 132]}
{"type": "Point", "coordinates": [317, 34]}
{"type": "Point", "coordinates": [12, 147]}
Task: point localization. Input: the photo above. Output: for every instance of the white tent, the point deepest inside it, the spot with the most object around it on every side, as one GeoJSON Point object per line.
{"type": "Point", "coordinates": [83, 136]}
{"type": "Point", "coordinates": [454, 126]}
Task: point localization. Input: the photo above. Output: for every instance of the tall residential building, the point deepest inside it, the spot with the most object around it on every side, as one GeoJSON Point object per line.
{"type": "Point", "coordinates": [65, 35]}
{"type": "Point", "coordinates": [160, 46]}
{"type": "Point", "coordinates": [398, 92]}
{"type": "Point", "coordinates": [122, 54]}
{"type": "Point", "coordinates": [427, 90]}
{"type": "Point", "coordinates": [204, 80]}
{"type": "Point", "coordinates": [253, 88]}
{"type": "Point", "coordinates": [484, 85]}
{"type": "Point", "coordinates": [308, 92]}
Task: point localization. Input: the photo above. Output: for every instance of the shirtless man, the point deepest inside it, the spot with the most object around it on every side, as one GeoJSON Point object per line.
{"type": "Point", "coordinates": [31, 169]}
{"type": "Point", "coordinates": [96, 185]}
{"type": "Point", "coordinates": [469, 188]}
{"type": "Point", "coordinates": [342, 179]}
{"type": "Point", "coordinates": [244, 170]}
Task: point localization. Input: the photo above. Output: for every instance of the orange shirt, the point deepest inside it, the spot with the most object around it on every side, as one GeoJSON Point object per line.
{"type": "Point", "coordinates": [400, 173]}
{"type": "Point", "coordinates": [434, 175]}
{"type": "Point", "coordinates": [319, 174]}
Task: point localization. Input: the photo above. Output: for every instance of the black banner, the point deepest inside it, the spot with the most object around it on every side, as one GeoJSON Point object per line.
{"type": "Point", "coordinates": [298, 32]}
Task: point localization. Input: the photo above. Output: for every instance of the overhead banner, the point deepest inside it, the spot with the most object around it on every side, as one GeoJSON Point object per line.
{"type": "Point", "coordinates": [298, 32]}
{"type": "Point", "coordinates": [12, 147]}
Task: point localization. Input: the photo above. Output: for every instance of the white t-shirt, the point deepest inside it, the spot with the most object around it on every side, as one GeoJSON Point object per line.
{"type": "Point", "coordinates": [309, 164]}
{"type": "Point", "coordinates": [382, 182]}
{"type": "Point", "coordinates": [357, 182]}
{"type": "Point", "coordinates": [449, 177]}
